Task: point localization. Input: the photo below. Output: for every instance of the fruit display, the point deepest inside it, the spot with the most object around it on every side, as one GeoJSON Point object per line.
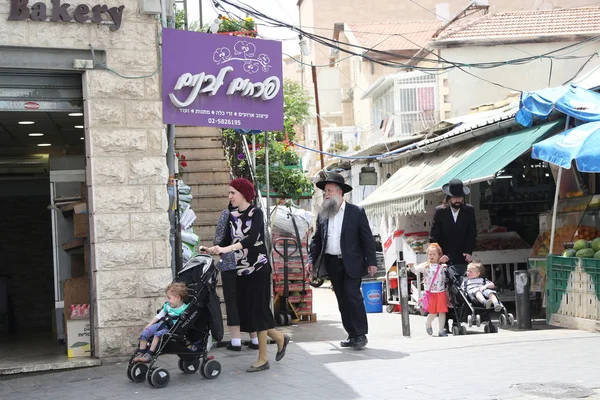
{"type": "Point", "coordinates": [500, 241]}
{"type": "Point", "coordinates": [585, 253]}
{"type": "Point", "coordinates": [585, 232]}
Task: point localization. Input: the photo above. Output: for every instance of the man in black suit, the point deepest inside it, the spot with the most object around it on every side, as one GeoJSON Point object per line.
{"type": "Point", "coordinates": [454, 228]}
{"type": "Point", "coordinates": [343, 249]}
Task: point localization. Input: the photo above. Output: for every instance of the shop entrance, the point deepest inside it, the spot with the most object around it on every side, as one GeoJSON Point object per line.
{"type": "Point", "coordinates": [42, 162]}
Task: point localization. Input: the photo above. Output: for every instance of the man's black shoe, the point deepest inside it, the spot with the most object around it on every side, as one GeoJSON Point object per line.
{"type": "Point", "coordinates": [347, 343]}
{"type": "Point", "coordinates": [360, 342]}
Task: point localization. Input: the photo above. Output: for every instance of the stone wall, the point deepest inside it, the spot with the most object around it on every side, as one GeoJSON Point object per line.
{"type": "Point", "coordinates": [126, 167]}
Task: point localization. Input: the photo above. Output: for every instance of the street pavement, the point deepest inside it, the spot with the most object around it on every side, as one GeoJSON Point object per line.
{"type": "Point", "coordinates": [541, 363]}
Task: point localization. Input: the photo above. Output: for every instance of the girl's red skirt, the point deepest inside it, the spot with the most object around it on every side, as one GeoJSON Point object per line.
{"type": "Point", "coordinates": [438, 303]}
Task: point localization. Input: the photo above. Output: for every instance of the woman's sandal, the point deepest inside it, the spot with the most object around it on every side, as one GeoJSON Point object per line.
{"type": "Point", "coordinates": [281, 354]}
{"type": "Point", "coordinates": [263, 367]}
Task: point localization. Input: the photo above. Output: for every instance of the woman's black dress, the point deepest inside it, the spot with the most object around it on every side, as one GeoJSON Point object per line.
{"type": "Point", "coordinates": [253, 269]}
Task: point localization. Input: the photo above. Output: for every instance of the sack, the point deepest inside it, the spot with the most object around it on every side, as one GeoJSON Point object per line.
{"type": "Point", "coordinates": [424, 302]}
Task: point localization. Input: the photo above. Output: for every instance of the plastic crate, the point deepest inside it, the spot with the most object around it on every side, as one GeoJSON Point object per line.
{"type": "Point", "coordinates": [573, 287]}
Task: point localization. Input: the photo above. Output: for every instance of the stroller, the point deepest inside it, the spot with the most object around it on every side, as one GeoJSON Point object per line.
{"type": "Point", "coordinates": [189, 335]}
{"type": "Point", "coordinates": [472, 313]}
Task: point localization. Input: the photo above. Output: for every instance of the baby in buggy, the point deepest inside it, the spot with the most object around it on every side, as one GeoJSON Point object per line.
{"type": "Point", "coordinates": [182, 327]}
{"type": "Point", "coordinates": [474, 300]}
{"type": "Point", "coordinates": [479, 288]}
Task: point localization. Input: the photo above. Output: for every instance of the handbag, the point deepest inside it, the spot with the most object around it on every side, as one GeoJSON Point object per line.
{"type": "Point", "coordinates": [424, 300]}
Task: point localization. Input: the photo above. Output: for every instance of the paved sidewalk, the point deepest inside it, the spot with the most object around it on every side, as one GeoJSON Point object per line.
{"type": "Point", "coordinates": [475, 366]}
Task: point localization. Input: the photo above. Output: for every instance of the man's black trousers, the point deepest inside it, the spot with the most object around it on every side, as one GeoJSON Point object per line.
{"type": "Point", "coordinates": [349, 297]}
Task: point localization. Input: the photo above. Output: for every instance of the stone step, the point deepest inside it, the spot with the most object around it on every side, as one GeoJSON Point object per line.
{"type": "Point", "coordinates": [207, 177]}
{"type": "Point", "coordinates": [208, 216]}
{"type": "Point", "coordinates": [198, 142]}
{"type": "Point", "coordinates": [206, 232]}
{"type": "Point", "coordinates": [200, 203]}
{"type": "Point", "coordinates": [197, 131]}
{"type": "Point", "coordinates": [197, 154]}
{"type": "Point", "coordinates": [206, 164]}
{"type": "Point", "coordinates": [210, 188]}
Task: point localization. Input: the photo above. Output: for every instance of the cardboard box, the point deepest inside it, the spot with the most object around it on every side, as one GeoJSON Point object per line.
{"type": "Point", "coordinates": [76, 291]}
{"type": "Point", "coordinates": [78, 267]}
{"type": "Point", "coordinates": [78, 338]}
{"type": "Point", "coordinates": [80, 208]}
{"type": "Point", "coordinates": [80, 225]}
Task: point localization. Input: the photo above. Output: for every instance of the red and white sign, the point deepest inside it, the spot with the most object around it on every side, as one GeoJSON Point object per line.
{"type": "Point", "coordinates": [31, 105]}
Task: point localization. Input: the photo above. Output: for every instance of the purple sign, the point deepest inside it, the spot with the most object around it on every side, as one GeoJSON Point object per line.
{"type": "Point", "coordinates": [222, 81]}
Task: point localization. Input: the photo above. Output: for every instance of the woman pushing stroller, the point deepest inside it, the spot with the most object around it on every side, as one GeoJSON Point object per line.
{"type": "Point", "coordinates": [245, 238]}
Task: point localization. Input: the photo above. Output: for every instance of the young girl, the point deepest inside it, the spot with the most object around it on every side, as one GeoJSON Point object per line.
{"type": "Point", "coordinates": [173, 308]}
{"type": "Point", "coordinates": [438, 301]}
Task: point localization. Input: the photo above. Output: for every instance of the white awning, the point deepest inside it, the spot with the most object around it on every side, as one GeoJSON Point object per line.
{"type": "Point", "coordinates": [404, 192]}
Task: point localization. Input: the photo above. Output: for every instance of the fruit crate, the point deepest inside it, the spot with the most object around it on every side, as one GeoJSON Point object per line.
{"type": "Point", "coordinates": [573, 287]}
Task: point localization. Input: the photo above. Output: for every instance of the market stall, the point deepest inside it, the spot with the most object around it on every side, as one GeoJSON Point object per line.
{"type": "Point", "coordinates": [573, 291]}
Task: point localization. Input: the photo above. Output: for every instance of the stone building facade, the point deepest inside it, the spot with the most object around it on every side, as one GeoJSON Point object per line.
{"type": "Point", "coordinates": [126, 171]}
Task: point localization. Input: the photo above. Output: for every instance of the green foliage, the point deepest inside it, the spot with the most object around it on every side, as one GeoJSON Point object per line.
{"type": "Point", "coordinates": [180, 18]}
{"type": "Point", "coordinates": [234, 25]}
{"type": "Point", "coordinates": [338, 147]}
{"type": "Point", "coordinates": [357, 147]}
{"type": "Point", "coordinates": [286, 177]}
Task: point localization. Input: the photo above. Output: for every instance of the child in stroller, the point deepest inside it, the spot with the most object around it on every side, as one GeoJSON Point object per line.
{"type": "Point", "coordinates": [479, 288]}
{"type": "Point", "coordinates": [187, 336]}
{"type": "Point", "coordinates": [467, 307]}
{"type": "Point", "coordinates": [169, 313]}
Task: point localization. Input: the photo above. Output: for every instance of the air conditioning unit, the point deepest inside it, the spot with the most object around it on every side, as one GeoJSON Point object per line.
{"type": "Point", "coordinates": [347, 95]}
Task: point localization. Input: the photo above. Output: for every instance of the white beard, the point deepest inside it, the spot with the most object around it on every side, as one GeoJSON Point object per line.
{"type": "Point", "coordinates": [329, 208]}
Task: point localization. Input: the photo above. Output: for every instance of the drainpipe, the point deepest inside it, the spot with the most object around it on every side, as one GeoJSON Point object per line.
{"type": "Point", "coordinates": [175, 232]}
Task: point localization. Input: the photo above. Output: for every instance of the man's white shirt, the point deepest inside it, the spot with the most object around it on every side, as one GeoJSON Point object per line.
{"type": "Point", "coordinates": [334, 232]}
{"type": "Point", "coordinates": [454, 213]}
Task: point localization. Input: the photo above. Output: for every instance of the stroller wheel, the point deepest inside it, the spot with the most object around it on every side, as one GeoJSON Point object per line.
{"type": "Point", "coordinates": [288, 319]}
{"type": "Point", "coordinates": [510, 319]}
{"type": "Point", "coordinates": [211, 369]}
{"type": "Point", "coordinates": [280, 319]}
{"type": "Point", "coordinates": [129, 367]}
{"type": "Point", "coordinates": [478, 320]}
{"type": "Point", "coordinates": [455, 330]}
{"type": "Point", "coordinates": [470, 320]}
{"type": "Point", "coordinates": [502, 319]}
{"type": "Point", "coordinates": [138, 372]}
{"type": "Point", "coordinates": [463, 330]}
{"type": "Point", "coordinates": [159, 377]}
{"type": "Point", "coordinates": [389, 308]}
{"type": "Point", "coordinates": [189, 367]}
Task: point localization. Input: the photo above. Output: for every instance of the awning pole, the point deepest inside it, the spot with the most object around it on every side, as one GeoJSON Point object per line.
{"type": "Point", "coordinates": [554, 210]}
{"type": "Point", "coordinates": [557, 192]}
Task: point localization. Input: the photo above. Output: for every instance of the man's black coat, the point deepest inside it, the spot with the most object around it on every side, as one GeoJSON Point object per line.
{"type": "Point", "coordinates": [357, 243]}
{"type": "Point", "coordinates": [455, 238]}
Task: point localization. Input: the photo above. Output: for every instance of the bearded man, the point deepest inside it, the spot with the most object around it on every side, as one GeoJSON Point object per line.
{"type": "Point", "coordinates": [343, 249]}
{"type": "Point", "coordinates": [454, 228]}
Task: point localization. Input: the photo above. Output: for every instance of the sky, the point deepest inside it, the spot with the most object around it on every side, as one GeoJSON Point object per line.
{"type": "Point", "coordinates": [283, 10]}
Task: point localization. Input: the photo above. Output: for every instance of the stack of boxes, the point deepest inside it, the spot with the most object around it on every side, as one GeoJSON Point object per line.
{"type": "Point", "coordinates": [77, 288]}
{"type": "Point", "coordinates": [300, 292]}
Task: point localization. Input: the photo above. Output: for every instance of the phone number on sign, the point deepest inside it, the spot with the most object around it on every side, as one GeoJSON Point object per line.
{"type": "Point", "coordinates": [224, 121]}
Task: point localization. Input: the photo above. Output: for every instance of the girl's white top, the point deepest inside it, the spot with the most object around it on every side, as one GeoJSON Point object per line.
{"type": "Point", "coordinates": [428, 271]}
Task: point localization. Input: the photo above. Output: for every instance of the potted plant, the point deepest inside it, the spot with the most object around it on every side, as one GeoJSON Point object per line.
{"type": "Point", "coordinates": [244, 27]}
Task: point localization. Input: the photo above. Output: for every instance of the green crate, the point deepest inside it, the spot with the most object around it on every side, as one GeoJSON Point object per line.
{"type": "Point", "coordinates": [560, 283]}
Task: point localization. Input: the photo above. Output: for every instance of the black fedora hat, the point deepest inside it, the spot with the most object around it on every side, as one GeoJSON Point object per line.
{"type": "Point", "coordinates": [456, 188]}
{"type": "Point", "coordinates": [336, 178]}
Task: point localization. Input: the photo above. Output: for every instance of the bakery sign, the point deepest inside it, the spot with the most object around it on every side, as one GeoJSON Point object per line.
{"type": "Point", "coordinates": [20, 10]}
{"type": "Point", "coordinates": [222, 81]}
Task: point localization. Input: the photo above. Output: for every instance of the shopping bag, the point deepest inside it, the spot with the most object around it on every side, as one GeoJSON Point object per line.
{"type": "Point", "coordinates": [424, 302]}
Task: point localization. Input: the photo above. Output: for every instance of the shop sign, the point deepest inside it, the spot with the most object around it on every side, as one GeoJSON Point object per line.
{"type": "Point", "coordinates": [20, 11]}
{"type": "Point", "coordinates": [221, 81]}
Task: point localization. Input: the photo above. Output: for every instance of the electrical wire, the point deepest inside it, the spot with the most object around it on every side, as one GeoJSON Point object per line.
{"type": "Point", "coordinates": [451, 65]}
